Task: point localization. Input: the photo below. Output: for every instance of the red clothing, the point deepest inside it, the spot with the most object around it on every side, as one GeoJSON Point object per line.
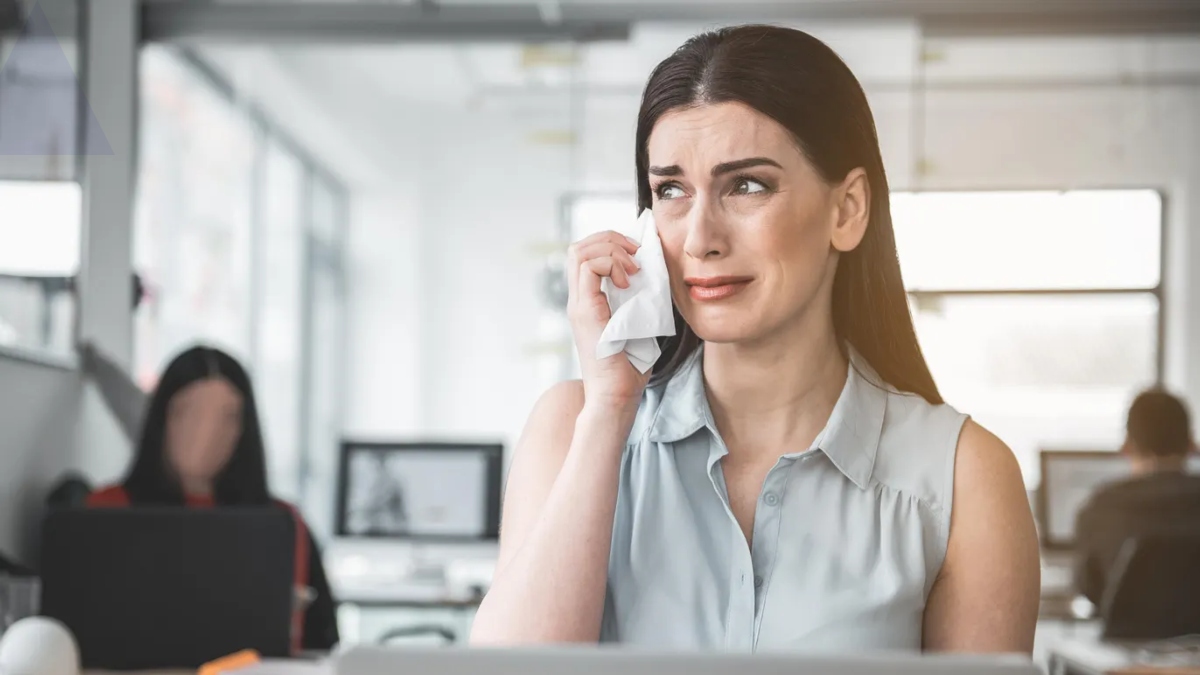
{"type": "Point", "coordinates": [115, 496]}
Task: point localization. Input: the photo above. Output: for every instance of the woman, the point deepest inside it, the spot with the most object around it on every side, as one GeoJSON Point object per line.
{"type": "Point", "coordinates": [201, 447]}
{"type": "Point", "coordinates": [790, 478]}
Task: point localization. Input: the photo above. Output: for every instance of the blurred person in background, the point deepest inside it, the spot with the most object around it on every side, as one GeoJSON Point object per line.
{"type": "Point", "coordinates": [1160, 496]}
{"type": "Point", "coordinates": [787, 476]}
{"type": "Point", "coordinates": [201, 446]}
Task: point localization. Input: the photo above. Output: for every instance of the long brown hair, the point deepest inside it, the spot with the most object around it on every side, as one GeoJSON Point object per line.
{"type": "Point", "coordinates": [801, 83]}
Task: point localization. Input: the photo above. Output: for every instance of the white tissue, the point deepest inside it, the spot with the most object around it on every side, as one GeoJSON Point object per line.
{"type": "Point", "coordinates": [642, 312]}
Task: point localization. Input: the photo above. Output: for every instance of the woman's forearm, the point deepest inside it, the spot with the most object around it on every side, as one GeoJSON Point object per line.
{"type": "Point", "coordinates": [121, 395]}
{"type": "Point", "coordinates": [553, 588]}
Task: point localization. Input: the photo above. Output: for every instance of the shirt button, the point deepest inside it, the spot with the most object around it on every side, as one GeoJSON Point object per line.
{"type": "Point", "coordinates": [757, 581]}
{"type": "Point", "coordinates": [771, 499]}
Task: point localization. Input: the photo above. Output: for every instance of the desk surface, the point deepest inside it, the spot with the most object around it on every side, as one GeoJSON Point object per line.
{"type": "Point", "coordinates": [299, 666]}
{"type": "Point", "coordinates": [1090, 656]}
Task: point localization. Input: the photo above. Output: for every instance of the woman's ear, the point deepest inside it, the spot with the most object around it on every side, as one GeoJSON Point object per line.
{"type": "Point", "coordinates": [852, 207]}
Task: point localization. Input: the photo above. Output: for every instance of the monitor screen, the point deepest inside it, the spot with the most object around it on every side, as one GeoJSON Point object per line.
{"type": "Point", "coordinates": [1069, 479]}
{"type": "Point", "coordinates": [419, 490]}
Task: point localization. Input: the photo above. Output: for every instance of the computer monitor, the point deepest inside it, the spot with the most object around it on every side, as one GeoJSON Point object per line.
{"type": "Point", "coordinates": [422, 491]}
{"type": "Point", "coordinates": [1069, 479]}
{"type": "Point", "coordinates": [160, 588]}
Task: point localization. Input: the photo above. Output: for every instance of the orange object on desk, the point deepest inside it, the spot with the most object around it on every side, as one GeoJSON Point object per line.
{"type": "Point", "coordinates": [230, 663]}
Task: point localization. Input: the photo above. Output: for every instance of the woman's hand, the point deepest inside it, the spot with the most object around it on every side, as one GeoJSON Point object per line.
{"type": "Point", "coordinates": [611, 382]}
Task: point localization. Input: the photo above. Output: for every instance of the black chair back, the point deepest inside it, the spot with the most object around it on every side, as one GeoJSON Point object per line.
{"type": "Point", "coordinates": [1153, 592]}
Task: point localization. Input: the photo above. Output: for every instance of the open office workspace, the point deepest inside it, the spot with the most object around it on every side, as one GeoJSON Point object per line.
{"type": "Point", "coordinates": [456, 336]}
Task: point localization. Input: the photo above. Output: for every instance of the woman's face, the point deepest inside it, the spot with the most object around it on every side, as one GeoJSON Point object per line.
{"type": "Point", "coordinates": [204, 423]}
{"type": "Point", "coordinates": [749, 228]}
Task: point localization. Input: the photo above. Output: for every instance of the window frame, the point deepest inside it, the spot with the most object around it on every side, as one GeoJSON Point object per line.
{"type": "Point", "coordinates": [1158, 290]}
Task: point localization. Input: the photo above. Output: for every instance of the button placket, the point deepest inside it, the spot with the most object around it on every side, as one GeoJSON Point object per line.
{"type": "Point", "coordinates": [766, 534]}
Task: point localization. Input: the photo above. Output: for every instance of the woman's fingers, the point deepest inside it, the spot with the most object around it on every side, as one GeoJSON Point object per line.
{"type": "Point", "coordinates": [604, 254]}
{"type": "Point", "coordinates": [592, 271]}
{"type": "Point", "coordinates": [611, 237]}
{"type": "Point", "coordinates": [608, 249]}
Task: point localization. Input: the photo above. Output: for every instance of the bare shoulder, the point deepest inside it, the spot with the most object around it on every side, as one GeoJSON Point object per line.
{"type": "Point", "coordinates": [983, 460]}
{"type": "Point", "coordinates": [986, 595]}
{"type": "Point", "coordinates": [990, 500]}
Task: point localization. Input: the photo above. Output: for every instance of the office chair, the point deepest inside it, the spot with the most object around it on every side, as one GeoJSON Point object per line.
{"type": "Point", "coordinates": [1153, 591]}
{"type": "Point", "coordinates": [445, 633]}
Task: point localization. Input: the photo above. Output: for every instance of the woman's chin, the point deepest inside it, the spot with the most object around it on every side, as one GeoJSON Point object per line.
{"type": "Point", "coordinates": [722, 332]}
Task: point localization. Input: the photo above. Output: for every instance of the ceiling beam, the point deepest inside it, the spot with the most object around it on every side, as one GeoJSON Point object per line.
{"type": "Point", "coordinates": [1129, 21]}
{"type": "Point", "coordinates": [589, 20]}
{"type": "Point", "coordinates": [62, 15]}
{"type": "Point", "coordinates": [340, 22]}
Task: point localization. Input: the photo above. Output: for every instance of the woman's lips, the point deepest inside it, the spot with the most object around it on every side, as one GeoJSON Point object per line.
{"type": "Point", "coordinates": [707, 289]}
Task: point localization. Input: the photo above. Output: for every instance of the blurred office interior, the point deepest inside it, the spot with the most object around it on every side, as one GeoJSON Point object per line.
{"type": "Point", "coordinates": [368, 201]}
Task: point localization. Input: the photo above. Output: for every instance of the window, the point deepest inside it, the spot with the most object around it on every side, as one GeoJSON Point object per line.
{"type": "Point", "coordinates": [192, 228]}
{"type": "Point", "coordinates": [40, 202]}
{"type": "Point", "coordinates": [1039, 313]}
{"type": "Point", "coordinates": [38, 262]}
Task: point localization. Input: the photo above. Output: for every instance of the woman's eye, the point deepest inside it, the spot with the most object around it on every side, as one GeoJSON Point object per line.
{"type": "Point", "coordinates": [748, 186]}
{"type": "Point", "coordinates": [669, 191]}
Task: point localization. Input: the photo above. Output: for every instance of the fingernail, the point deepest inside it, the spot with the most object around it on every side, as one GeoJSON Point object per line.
{"type": "Point", "coordinates": [632, 241]}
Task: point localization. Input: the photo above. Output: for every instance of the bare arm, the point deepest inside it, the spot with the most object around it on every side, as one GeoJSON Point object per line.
{"type": "Point", "coordinates": [121, 395]}
{"type": "Point", "coordinates": [986, 597]}
{"type": "Point", "coordinates": [557, 524]}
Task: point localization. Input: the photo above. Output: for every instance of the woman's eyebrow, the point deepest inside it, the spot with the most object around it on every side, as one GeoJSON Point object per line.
{"type": "Point", "coordinates": [722, 168]}
{"type": "Point", "coordinates": [738, 165]}
{"type": "Point", "coordinates": [672, 170]}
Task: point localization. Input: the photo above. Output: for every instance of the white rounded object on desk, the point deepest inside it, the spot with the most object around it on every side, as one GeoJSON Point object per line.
{"type": "Point", "coordinates": [38, 646]}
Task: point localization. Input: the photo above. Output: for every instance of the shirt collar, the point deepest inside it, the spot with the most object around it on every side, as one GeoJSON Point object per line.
{"type": "Point", "coordinates": [850, 438]}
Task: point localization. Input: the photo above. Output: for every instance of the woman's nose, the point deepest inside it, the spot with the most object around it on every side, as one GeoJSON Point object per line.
{"type": "Point", "coordinates": [705, 233]}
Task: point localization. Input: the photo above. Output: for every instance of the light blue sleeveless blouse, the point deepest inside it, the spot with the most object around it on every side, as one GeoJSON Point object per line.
{"type": "Point", "coordinates": [849, 534]}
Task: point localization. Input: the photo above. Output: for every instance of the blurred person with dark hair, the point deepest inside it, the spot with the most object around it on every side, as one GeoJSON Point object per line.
{"type": "Point", "coordinates": [1159, 497]}
{"type": "Point", "coordinates": [201, 446]}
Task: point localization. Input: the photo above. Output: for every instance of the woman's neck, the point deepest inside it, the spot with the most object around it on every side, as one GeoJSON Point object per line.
{"type": "Point", "coordinates": [196, 488]}
{"type": "Point", "coordinates": [775, 395]}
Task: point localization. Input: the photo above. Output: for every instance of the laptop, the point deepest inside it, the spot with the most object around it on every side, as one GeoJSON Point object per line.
{"type": "Point", "coordinates": [170, 588]}
{"type": "Point", "coordinates": [616, 661]}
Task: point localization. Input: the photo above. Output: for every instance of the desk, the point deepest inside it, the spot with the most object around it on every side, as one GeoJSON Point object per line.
{"type": "Point", "coordinates": [299, 666]}
{"type": "Point", "coordinates": [1086, 656]}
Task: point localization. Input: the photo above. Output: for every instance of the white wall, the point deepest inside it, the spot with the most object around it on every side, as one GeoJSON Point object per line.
{"type": "Point", "coordinates": [37, 419]}
{"type": "Point", "coordinates": [43, 435]}
{"type": "Point", "coordinates": [443, 283]}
